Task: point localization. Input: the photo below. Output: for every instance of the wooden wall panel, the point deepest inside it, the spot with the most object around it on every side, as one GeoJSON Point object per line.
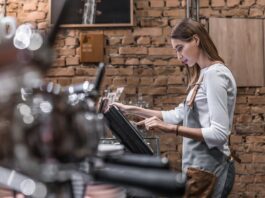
{"type": "Point", "coordinates": [240, 42]}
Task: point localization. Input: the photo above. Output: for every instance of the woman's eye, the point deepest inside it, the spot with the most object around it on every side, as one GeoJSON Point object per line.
{"type": "Point", "coordinates": [179, 49]}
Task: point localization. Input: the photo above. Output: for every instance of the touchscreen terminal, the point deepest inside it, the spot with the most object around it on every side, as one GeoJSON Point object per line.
{"type": "Point", "coordinates": [126, 133]}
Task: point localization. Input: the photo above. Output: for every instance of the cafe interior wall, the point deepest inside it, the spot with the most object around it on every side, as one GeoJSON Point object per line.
{"type": "Point", "coordinates": [140, 59]}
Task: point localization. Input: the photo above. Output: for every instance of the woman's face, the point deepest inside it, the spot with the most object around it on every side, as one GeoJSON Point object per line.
{"type": "Point", "coordinates": [187, 52]}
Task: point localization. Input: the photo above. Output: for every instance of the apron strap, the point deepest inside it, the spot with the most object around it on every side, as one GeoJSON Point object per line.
{"type": "Point", "coordinates": [233, 155]}
{"type": "Point", "coordinates": [194, 93]}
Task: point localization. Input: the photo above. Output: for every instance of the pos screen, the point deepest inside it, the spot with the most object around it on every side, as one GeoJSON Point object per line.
{"type": "Point", "coordinates": [126, 133]}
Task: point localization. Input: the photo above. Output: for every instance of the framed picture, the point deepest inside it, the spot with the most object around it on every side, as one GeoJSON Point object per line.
{"type": "Point", "coordinates": [93, 13]}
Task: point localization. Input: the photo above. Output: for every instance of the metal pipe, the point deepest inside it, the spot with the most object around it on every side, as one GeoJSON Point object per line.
{"type": "Point", "coordinates": [187, 8]}
{"type": "Point", "coordinates": [193, 9]}
{"type": "Point", "coordinates": [198, 10]}
{"type": "Point", "coordinates": [5, 2]}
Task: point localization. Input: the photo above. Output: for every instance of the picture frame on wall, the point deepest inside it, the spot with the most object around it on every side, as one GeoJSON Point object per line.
{"type": "Point", "coordinates": [93, 13]}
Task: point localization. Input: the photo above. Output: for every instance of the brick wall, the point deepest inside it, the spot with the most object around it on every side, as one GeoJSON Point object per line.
{"type": "Point", "coordinates": [141, 59]}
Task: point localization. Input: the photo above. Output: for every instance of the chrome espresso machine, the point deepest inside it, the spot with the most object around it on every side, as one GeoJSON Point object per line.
{"type": "Point", "coordinates": [50, 135]}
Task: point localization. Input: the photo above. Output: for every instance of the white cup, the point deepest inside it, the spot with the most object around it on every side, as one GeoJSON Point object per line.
{"type": "Point", "coordinates": [23, 35]}
{"type": "Point", "coordinates": [36, 41]}
{"type": "Point", "coordinates": [7, 28]}
{"type": "Point", "coordinates": [21, 40]}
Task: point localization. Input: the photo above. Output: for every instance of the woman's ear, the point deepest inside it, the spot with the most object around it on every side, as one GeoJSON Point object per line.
{"type": "Point", "coordinates": [197, 39]}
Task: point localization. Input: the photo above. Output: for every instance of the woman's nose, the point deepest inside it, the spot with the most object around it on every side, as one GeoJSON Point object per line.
{"type": "Point", "coordinates": [179, 56]}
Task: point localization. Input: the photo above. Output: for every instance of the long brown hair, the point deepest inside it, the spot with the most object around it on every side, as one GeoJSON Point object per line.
{"type": "Point", "coordinates": [184, 32]}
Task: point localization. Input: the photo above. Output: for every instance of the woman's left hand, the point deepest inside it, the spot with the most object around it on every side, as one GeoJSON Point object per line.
{"type": "Point", "coordinates": [154, 123]}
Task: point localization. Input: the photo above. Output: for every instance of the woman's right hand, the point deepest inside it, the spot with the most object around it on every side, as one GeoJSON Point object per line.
{"type": "Point", "coordinates": [122, 107]}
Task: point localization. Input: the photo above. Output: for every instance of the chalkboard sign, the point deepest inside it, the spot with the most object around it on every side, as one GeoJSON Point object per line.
{"type": "Point", "coordinates": [94, 13]}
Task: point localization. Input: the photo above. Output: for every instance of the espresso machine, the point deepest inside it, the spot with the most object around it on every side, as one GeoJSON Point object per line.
{"type": "Point", "coordinates": [50, 134]}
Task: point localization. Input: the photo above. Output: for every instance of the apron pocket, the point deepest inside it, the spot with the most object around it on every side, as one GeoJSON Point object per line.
{"type": "Point", "coordinates": [200, 183]}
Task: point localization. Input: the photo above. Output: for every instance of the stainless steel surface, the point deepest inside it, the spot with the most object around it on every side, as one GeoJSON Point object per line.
{"type": "Point", "coordinates": [193, 9]}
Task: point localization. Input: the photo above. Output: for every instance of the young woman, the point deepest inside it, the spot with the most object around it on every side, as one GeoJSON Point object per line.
{"type": "Point", "coordinates": [204, 119]}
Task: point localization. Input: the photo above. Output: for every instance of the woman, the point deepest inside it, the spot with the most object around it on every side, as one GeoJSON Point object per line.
{"type": "Point", "coordinates": [204, 119]}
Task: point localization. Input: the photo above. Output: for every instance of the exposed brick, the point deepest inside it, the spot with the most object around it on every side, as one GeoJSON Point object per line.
{"type": "Point", "coordinates": [248, 3]}
{"type": "Point", "coordinates": [172, 3]}
{"type": "Point", "coordinates": [160, 62]}
{"type": "Point", "coordinates": [64, 81]}
{"type": "Point", "coordinates": [179, 13]}
{"type": "Point", "coordinates": [72, 61]}
{"type": "Point", "coordinates": [66, 52]}
{"type": "Point", "coordinates": [83, 71]}
{"type": "Point", "coordinates": [130, 90]}
{"type": "Point", "coordinates": [128, 71]}
{"type": "Point", "coordinates": [232, 3]}
{"type": "Point", "coordinates": [255, 139]}
{"type": "Point", "coordinates": [249, 129]}
{"type": "Point", "coordinates": [146, 81]}
{"type": "Point", "coordinates": [146, 62]}
{"type": "Point", "coordinates": [127, 40]}
{"type": "Point", "coordinates": [157, 91]}
{"type": "Point", "coordinates": [234, 139]}
{"type": "Point", "coordinates": [165, 70]}
{"type": "Point", "coordinates": [143, 40]}
{"type": "Point", "coordinates": [166, 100]}
{"type": "Point", "coordinates": [76, 80]}
{"type": "Point", "coordinates": [145, 72]}
{"type": "Point", "coordinates": [158, 41]}
{"type": "Point", "coordinates": [256, 100]}
{"type": "Point", "coordinates": [218, 3]}
{"type": "Point", "coordinates": [154, 22]}
{"type": "Point", "coordinates": [255, 12]}
{"type": "Point", "coordinates": [261, 90]}
{"type": "Point", "coordinates": [259, 179]}
{"type": "Point", "coordinates": [177, 90]}
{"type": "Point", "coordinates": [35, 16]}
{"type": "Point", "coordinates": [247, 179]}
{"type": "Point", "coordinates": [207, 12]}
{"type": "Point", "coordinates": [30, 6]}
{"type": "Point", "coordinates": [160, 80]}
{"type": "Point", "coordinates": [149, 13]}
{"type": "Point", "coordinates": [156, 3]}
{"type": "Point", "coordinates": [244, 118]}
{"type": "Point", "coordinates": [61, 72]}
{"type": "Point", "coordinates": [167, 32]}
{"type": "Point", "coordinates": [132, 61]}
{"type": "Point", "coordinates": [246, 158]}
{"type": "Point", "coordinates": [147, 32]}
{"type": "Point", "coordinates": [114, 40]}
{"type": "Point", "coordinates": [113, 32]}
{"type": "Point", "coordinates": [174, 61]}
{"type": "Point", "coordinates": [111, 51]}
{"type": "Point", "coordinates": [133, 50]}
{"type": "Point", "coordinates": [133, 80]}
{"type": "Point", "coordinates": [259, 158]}
{"type": "Point", "coordinates": [261, 2]}
{"type": "Point", "coordinates": [142, 4]}
{"type": "Point", "coordinates": [117, 61]}
{"type": "Point", "coordinates": [59, 62]}
{"type": "Point", "coordinates": [235, 12]}
{"type": "Point", "coordinates": [241, 99]}
{"type": "Point", "coordinates": [168, 142]}
{"type": "Point", "coordinates": [71, 41]}
{"type": "Point", "coordinates": [175, 80]}
{"type": "Point", "coordinates": [42, 25]}
{"type": "Point", "coordinates": [160, 51]}
{"type": "Point", "coordinates": [117, 81]}
{"type": "Point", "coordinates": [204, 3]}
{"type": "Point", "coordinates": [43, 6]}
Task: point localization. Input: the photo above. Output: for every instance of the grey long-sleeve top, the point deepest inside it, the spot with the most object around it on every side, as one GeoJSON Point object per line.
{"type": "Point", "coordinates": [215, 101]}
